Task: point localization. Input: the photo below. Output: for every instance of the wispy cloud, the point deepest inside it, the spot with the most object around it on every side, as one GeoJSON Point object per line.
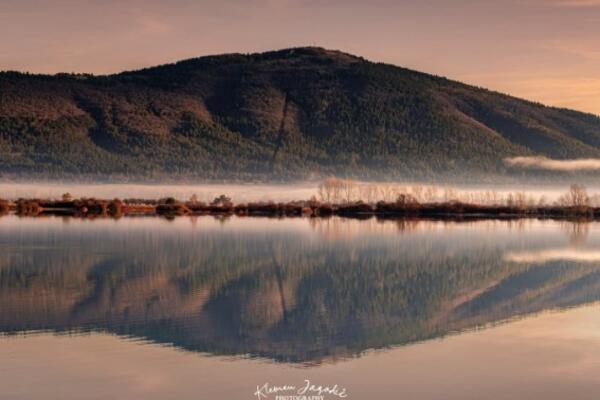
{"type": "Point", "coordinates": [542, 256]}
{"type": "Point", "coordinates": [577, 3]}
{"type": "Point", "coordinates": [539, 162]}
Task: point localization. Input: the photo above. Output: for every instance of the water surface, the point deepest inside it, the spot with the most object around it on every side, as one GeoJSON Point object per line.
{"type": "Point", "coordinates": [197, 308]}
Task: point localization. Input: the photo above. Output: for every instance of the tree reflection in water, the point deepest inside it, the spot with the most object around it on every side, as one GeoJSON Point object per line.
{"type": "Point", "coordinates": [305, 291]}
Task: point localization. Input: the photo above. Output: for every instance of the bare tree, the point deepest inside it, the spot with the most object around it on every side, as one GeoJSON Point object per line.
{"type": "Point", "coordinates": [450, 194]}
{"type": "Point", "coordinates": [336, 189]}
{"type": "Point", "coordinates": [510, 200]}
{"type": "Point", "coordinates": [368, 192]}
{"type": "Point", "coordinates": [348, 187]}
{"type": "Point", "coordinates": [520, 200]}
{"type": "Point", "coordinates": [595, 200]}
{"type": "Point", "coordinates": [329, 190]}
{"type": "Point", "coordinates": [577, 196]}
{"type": "Point", "coordinates": [431, 193]}
{"type": "Point", "coordinates": [417, 192]}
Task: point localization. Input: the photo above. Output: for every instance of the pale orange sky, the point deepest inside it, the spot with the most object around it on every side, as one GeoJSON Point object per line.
{"type": "Point", "coordinates": [544, 50]}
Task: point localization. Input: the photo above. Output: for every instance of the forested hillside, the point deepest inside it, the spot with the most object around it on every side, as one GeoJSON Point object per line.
{"type": "Point", "coordinates": [291, 114]}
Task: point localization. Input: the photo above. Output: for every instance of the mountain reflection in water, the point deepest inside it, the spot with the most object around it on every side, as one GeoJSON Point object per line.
{"type": "Point", "coordinates": [293, 290]}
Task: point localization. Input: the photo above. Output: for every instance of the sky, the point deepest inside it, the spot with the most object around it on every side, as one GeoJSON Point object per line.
{"type": "Point", "coordinates": [542, 50]}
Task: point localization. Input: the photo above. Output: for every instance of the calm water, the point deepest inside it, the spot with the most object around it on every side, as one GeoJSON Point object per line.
{"type": "Point", "coordinates": [205, 308]}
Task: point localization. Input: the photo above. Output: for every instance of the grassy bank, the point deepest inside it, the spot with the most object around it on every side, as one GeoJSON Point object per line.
{"type": "Point", "coordinates": [401, 208]}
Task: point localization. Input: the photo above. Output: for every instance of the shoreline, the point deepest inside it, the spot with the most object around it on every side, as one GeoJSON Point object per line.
{"type": "Point", "coordinates": [170, 208]}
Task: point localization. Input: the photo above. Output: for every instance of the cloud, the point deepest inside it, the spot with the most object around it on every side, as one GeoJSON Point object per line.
{"type": "Point", "coordinates": [577, 3]}
{"type": "Point", "coordinates": [540, 162]}
{"type": "Point", "coordinates": [543, 256]}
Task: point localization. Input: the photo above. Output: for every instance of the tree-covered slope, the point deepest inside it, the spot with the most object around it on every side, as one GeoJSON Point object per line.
{"type": "Point", "coordinates": [295, 113]}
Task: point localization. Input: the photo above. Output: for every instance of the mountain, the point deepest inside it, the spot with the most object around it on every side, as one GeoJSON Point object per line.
{"type": "Point", "coordinates": [291, 114]}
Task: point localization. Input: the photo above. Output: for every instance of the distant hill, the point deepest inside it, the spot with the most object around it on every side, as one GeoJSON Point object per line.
{"type": "Point", "coordinates": [290, 114]}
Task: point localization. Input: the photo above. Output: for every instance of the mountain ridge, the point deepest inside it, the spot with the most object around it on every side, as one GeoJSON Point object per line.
{"type": "Point", "coordinates": [287, 114]}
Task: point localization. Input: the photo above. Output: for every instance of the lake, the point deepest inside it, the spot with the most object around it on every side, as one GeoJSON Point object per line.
{"type": "Point", "coordinates": [217, 308]}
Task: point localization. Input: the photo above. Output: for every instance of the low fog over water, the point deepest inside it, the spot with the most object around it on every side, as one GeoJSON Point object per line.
{"type": "Point", "coordinates": [205, 192]}
{"type": "Point", "coordinates": [274, 192]}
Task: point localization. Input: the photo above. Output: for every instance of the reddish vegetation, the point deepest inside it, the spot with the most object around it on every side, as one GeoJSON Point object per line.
{"type": "Point", "coordinates": [403, 207]}
{"type": "Point", "coordinates": [574, 203]}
